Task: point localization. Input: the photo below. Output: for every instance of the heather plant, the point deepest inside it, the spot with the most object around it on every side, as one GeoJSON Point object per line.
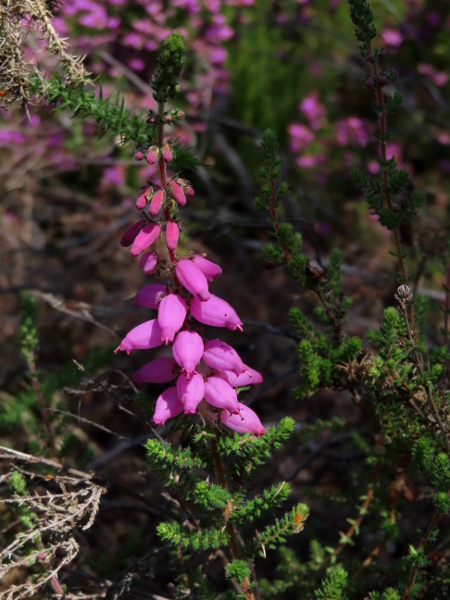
{"type": "Point", "coordinates": [225, 523]}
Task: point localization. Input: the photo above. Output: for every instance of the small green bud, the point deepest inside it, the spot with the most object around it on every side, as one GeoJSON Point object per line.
{"type": "Point", "coordinates": [170, 63]}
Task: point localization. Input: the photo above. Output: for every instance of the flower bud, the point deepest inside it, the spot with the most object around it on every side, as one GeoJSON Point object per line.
{"type": "Point", "coordinates": [215, 312]}
{"type": "Point", "coordinates": [168, 406]}
{"type": "Point", "coordinates": [192, 279]}
{"type": "Point", "coordinates": [150, 295]}
{"type": "Point", "coordinates": [160, 370]}
{"type": "Point", "coordinates": [167, 153]}
{"type": "Point", "coordinates": [139, 155]}
{"type": "Point", "coordinates": [187, 350]}
{"type": "Point", "coordinates": [222, 357]}
{"type": "Point", "coordinates": [149, 263]}
{"type": "Point", "coordinates": [220, 394]}
{"type": "Point", "coordinates": [208, 268]}
{"type": "Point", "coordinates": [246, 420]}
{"type": "Point", "coordinates": [141, 202]}
{"type": "Point", "coordinates": [145, 238]}
{"type": "Point", "coordinates": [156, 203]}
{"type": "Point", "coordinates": [144, 336]}
{"type": "Point", "coordinates": [178, 194]}
{"type": "Point", "coordinates": [152, 155]}
{"type": "Point", "coordinates": [130, 234]}
{"type": "Point", "coordinates": [190, 391]}
{"type": "Point", "coordinates": [171, 315]}
{"type": "Point", "coordinates": [172, 233]}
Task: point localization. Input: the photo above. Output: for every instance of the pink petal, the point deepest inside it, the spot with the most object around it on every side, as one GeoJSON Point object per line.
{"type": "Point", "coordinates": [178, 194]}
{"type": "Point", "coordinates": [145, 238]}
{"type": "Point", "coordinates": [215, 312]}
{"type": "Point", "coordinates": [167, 153]}
{"type": "Point", "coordinates": [192, 279]}
{"type": "Point", "coordinates": [156, 203]}
{"type": "Point", "coordinates": [149, 262]}
{"type": "Point", "coordinates": [187, 350]}
{"type": "Point", "coordinates": [250, 377]}
{"type": "Point", "coordinates": [160, 370]}
{"type": "Point", "coordinates": [144, 336]}
{"type": "Point", "coordinates": [141, 202]}
{"type": "Point", "coordinates": [167, 406]}
{"type": "Point", "coordinates": [190, 391]}
{"type": "Point", "coordinates": [208, 268]}
{"type": "Point", "coordinates": [244, 421]}
{"type": "Point", "coordinates": [172, 233]}
{"type": "Point", "coordinates": [130, 234]}
{"type": "Point", "coordinates": [220, 394]}
{"type": "Point", "coordinates": [139, 155]}
{"type": "Point", "coordinates": [171, 315]}
{"type": "Point", "coordinates": [222, 357]}
{"type": "Point", "coordinates": [152, 155]}
{"type": "Point", "coordinates": [150, 295]}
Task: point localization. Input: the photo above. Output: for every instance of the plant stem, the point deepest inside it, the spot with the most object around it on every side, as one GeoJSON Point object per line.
{"type": "Point", "coordinates": [382, 128]}
{"type": "Point", "coordinates": [162, 168]}
{"type": "Point", "coordinates": [434, 521]}
{"type": "Point", "coordinates": [229, 526]}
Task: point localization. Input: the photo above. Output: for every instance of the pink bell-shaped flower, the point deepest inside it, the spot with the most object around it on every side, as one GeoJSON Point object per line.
{"type": "Point", "coordinates": [167, 153]}
{"type": "Point", "coordinates": [178, 194]}
{"type": "Point", "coordinates": [144, 336]}
{"type": "Point", "coordinates": [187, 350]}
{"type": "Point", "coordinates": [172, 233]}
{"type": "Point", "coordinates": [149, 262]}
{"type": "Point", "coordinates": [150, 295]}
{"type": "Point", "coordinates": [222, 357]}
{"type": "Point", "coordinates": [145, 238]}
{"type": "Point", "coordinates": [152, 155]}
{"type": "Point", "coordinates": [208, 268]}
{"type": "Point", "coordinates": [215, 312]}
{"type": "Point", "coordinates": [156, 203]}
{"type": "Point", "coordinates": [141, 202]}
{"type": "Point", "coordinates": [168, 406]}
{"type": "Point", "coordinates": [249, 377]}
{"type": "Point", "coordinates": [130, 234]}
{"type": "Point", "coordinates": [171, 315]}
{"type": "Point", "coordinates": [220, 394]}
{"type": "Point", "coordinates": [192, 279]}
{"type": "Point", "coordinates": [160, 370]}
{"type": "Point", "coordinates": [190, 391]}
{"type": "Point", "coordinates": [246, 420]}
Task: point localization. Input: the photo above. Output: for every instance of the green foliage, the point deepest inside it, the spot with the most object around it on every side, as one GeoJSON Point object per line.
{"type": "Point", "coordinates": [333, 587]}
{"type": "Point", "coordinates": [362, 17]}
{"type": "Point", "coordinates": [210, 496]}
{"type": "Point", "coordinates": [28, 330]}
{"type": "Point", "coordinates": [109, 115]}
{"type": "Point", "coordinates": [197, 540]}
{"type": "Point", "coordinates": [254, 508]}
{"type": "Point", "coordinates": [275, 535]}
{"type": "Point", "coordinates": [170, 63]}
{"type": "Point", "coordinates": [237, 569]}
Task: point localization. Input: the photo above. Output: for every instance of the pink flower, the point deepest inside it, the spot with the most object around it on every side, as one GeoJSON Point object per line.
{"type": "Point", "coordinates": [208, 268]}
{"type": "Point", "coordinates": [171, 315]}
{"type": "Point", "coordinates": [172, 233]}
{"type": "Point", "coordinates": [392, 37]}
{"type": "Point", "coordinates": [141, 202]}
{"type": "Point", "coordinates": [152, 155]}
{"type": "Point", "coordinates": [149, 263]}
{"type": "Point", "coordinates": [220, 394]}
{"type": "Point", "coordinates": [167, 153]}
{"type": "Point", "coordinates": [215, 312]}
{"type": "Point", "coordinates": [144, 336]}
{"type": "Point", "coordinates": [145, 238]}
{"type": "Point", "coordinates": [139, 155]}
{"type": "Point", "coordinates": [246, 420]}
{"type": "Point", "coordinates": [160, 370]}
{"type": "Point", "coordinates": [168, 406]}
{"type": "Point", "coordinates": [222, 357]}
{"type": "Point", "coordinates": [150, 295]}
{"type": "Point", "coordinates": [192, 278]}
{"type": "Point", "coordinates": [156, 203]}
{"type": "Point", "coordinates": [187, 350]}
{"type": "Point", "coordinates": [190, 391]}
{"type": "Point", "coordinates": [178, 194]}
{"type": "Point", "coordinates": [249, 377]}
{"type": "Point", "coordinates": [130, 234]}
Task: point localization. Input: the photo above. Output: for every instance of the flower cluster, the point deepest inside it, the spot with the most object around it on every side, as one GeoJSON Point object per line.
{"type": "Point", "coordinates": [209, 370]}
